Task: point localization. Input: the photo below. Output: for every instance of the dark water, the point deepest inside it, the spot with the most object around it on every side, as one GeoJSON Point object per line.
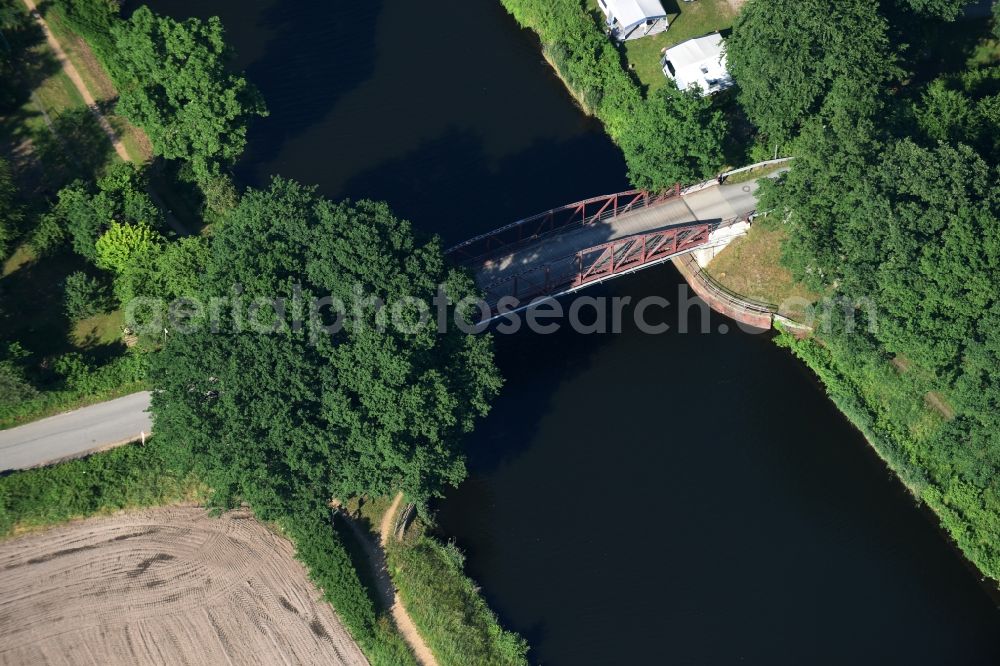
{"type": "Point", "coordinates": [633, 498]}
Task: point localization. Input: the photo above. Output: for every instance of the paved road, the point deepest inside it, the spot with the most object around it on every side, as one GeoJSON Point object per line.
{"type": "Point", "coordinates": [74, 433]}
{"type": "Point", "coordinates": [556, 250]}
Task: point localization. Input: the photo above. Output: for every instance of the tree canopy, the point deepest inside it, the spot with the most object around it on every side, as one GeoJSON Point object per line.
{"type": "Point", "coordinates": [948, 10]}
{"type": "Point", "coordinates": [87, 212]}
{"type": "Point", "coordinates": [892, 209]}
{"type": "Point", "coordinates": [10, 210]}
{"type": "Point", "coordinates": [292, 416]}
{"type": "Point", "coordinates": [176, 86]}
{"type": "Point", "coordinates": [785, 57]}
{"type": "Point", "coordinates": [696, 130]}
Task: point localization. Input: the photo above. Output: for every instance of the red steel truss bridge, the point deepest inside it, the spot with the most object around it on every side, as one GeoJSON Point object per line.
{"type": "Point", "coordinates": [568, 248]}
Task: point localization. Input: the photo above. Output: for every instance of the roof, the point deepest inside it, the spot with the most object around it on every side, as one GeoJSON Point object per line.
{"type": "Point", "coordinates": [700, 61]}
{"type": "Point", "coordinates": [630, 12]}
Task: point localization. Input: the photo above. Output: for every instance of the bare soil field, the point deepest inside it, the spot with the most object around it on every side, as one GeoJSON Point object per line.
{"type": "Point", "coordinates": [168, 585]}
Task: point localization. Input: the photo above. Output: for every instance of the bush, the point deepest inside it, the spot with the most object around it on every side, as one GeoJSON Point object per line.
{"type": "Point", "coordinates": [318, 546]}
{"type": "Point", "coordinates": [85, 296]}
{"type": "Point", "coordinates": [83, 385]}
{"type": "Point", "coordinates": [123, 478]}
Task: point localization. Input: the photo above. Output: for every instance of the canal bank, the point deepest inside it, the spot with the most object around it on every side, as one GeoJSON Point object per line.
{"type": "Point", "coordinates": [762, 532]}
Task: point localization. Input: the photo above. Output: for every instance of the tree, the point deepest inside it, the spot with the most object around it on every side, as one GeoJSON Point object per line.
{"type": "Point", "coordinates": [940, 251]}
{"type": "Point", "coordinates": [131, 252]}
{"type": "Point", "coordinates": [85, 296]}
{"type": "Point", "coordinates": [785, 57]}
{"type": "Point", "coordinates": [829, 183]}
{"type": "Point", "coordinates": [121, 196]}
{"type": "Point", "coordinates": [949, 10]}
{"type": "Point", "coordinates": [14, 386]}
{"type": "Point", "coordinates": [178, 89]}
{"type": "Point", "coordinates": [181, 265]}
{"type": "Point", "coordinates": [10, 211]}
{"type": "Point", "coordinates": [677, 138]}
{"type": "Point", "coordinates": [287, 416]}
{"type": "Point", "coordinates": [945, 114]}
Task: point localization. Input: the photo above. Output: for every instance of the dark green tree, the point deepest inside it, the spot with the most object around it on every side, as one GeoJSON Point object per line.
{"type": "Point", "coordinates": [181, 265]}
{"type": "Point", "coordinates": [948, 10]}
{"type": "Point", "coordinates": [287, 416]}
{"type": "Point", "coordinates": [10, 211]}
{"type": "Point", "coordinates": [178, 89]}
{"type": "Point", "coordinates": [120, 196]}
{"type": "Point", "coordinates": [85, 296]}
{"type": "Point", "coordinates": [677, 137]}
{"type": "Point", "coordinates": [786, 56]}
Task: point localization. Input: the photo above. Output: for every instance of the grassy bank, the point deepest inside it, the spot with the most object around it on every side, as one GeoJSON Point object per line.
{"type": "Point", "coordinates": [98, 83]}
{"type": "Point", "coordinates": [128, 477]}
{"type": "Point", "coordinates": [899, 410]}
{"type": "Point", "coordinates": [751, 266]}
{"type": "Point", "coordinates": [447, 608]}
{"type": "Point", "coordinates": [444, 603]}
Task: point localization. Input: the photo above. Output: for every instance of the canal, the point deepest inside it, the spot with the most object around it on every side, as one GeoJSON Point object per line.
{"type": "Point", "coordinates": [633, 498]}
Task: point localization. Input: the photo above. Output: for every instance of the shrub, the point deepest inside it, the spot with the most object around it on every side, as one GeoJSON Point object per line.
{"type": "Point", "coordinates": [85, 296]}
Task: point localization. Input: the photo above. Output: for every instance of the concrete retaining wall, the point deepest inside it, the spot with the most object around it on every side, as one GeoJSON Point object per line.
{"type": "Point", "coordinates": [745, 312]}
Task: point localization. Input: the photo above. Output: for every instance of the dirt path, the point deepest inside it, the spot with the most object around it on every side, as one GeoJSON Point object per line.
{"type": "Point", "coordinates": [167, 585]}
{"type": "Point", "coordinates": [74, 76]}
{"type": "Point", "coordinates": [403, 621]}
{"type": "Point", "coordinates": [77, 80]}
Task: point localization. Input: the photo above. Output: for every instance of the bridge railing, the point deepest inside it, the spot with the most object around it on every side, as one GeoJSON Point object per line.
{"type": "Point", "coordinates": [598, 263]}
{"type": "Point", "coordinates": [530, 229]}
{"type": "Point", "coordinates": [627, 254]}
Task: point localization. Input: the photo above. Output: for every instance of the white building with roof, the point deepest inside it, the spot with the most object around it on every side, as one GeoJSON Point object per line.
{"type": "Point", "coordinates": [700, 61]}
{"type": "Point", "coordinates": [631, 19]}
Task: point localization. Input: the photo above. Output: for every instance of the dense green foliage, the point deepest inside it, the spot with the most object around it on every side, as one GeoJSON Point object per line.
{"type": "Point", "coordinates": [85, 295]}
{"type": "Point", "coordinates": [93, 20]}
{"type": "Point", "coordinates": [173, 81]}
{"type": "Point", "coordinates": [668, 138]}
{"type": "Point", "coordinates": [123, 478]}
{"type": "Point", "coordinates": [290, 415]}
{"type": "Point", "coordinates": [87, 212]}
{"type": "Point", "coordinates": [174, 84]}
{"type": "Point", "coordinates": [318, 545]}
{"type": "Point", "coordinates": [787, 55]}
{"type": "Point", "coordinates": [10, 210]}
{"type": "Point", "coordinates": [892, 207]}
{"type": "Point", "coordinates": [945, 9]}
{"type": "Point", "coordinates": [85, 384]}
{"type": "Point", "coordinates": [446, 607]}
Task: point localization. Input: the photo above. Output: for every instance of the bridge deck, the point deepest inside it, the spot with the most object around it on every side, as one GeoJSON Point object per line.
{"type": "Point", "coordinates": [555, 253]}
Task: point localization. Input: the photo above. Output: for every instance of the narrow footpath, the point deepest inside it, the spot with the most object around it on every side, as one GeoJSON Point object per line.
{"type": "Point", "coordinates": [81, 87]}
{"type": "Point", "coordinates": [403, 621]}
{"type": "Point", "coordinates": [74, 76]}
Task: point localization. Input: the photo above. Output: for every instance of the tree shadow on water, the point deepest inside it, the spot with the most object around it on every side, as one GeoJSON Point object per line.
{"type": "Point", "coordinates": [319, 53]}
{"type": "Point", "coordinates": [451, 187]}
